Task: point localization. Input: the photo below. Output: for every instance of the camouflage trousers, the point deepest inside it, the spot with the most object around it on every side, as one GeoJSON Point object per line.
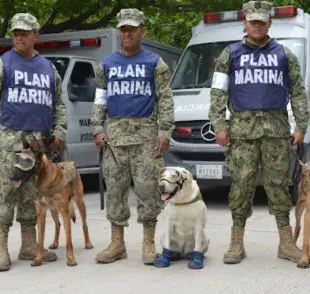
{"type": "Point", "coordinates": [243, 158]}
{"type": "Point", "coordinates": [22, 199]}
{"type": "Point", "coordinates": [139, 163]}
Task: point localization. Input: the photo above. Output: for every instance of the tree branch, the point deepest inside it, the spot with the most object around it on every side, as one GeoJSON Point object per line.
{"type": "Point", "coordinates": [50, 19]}
{"type": "Point", "coordinates": [6, 18]}
{"type": "Point", "coordinates": [70, 23]}
{"type": "Point", "coordinates": [77, 22]}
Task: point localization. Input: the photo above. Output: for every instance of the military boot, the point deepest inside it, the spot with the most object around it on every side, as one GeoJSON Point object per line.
{"type": "Point", "coordinates": [5, 261]}
{"type": "Point", "coordinates": [235, 252]}
{"type": "Point", "coordinates": [287, 249]}
{"type": "Point", "coordinates": [116, 249]}
{"type": "Point", "coordinates": [28, 250]}
{"type": "Point", "coordinates": [148, 248]}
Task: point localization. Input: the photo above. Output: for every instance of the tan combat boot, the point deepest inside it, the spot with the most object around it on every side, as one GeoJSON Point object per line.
{"type": "Point", "coordinates": [235, 252]}
{"type": "Point", "coordinates": [148, 249]}
{"type": "Point", "coordinates": [287, 249]}
{"type": "Point", "coordinates": [28, 250]}
{"type": "Point", "coordinates": [116, 249]}
{"type": "Point", "coordinates": [5, 261]}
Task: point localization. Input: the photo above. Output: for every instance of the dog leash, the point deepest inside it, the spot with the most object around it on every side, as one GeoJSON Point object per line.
{"type": "Point", "coordinates": [298, 154]}
{"type": "Point", "coordinates": [107, 145]}
{"type": "Point", "coordinates": [300, 150]}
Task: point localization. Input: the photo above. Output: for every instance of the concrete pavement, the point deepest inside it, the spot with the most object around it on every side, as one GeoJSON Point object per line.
{"type": "Point", "coordinates": [260, 272]}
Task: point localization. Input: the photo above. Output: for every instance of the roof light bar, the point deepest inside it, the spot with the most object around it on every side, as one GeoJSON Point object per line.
{"type": "Point", "coordinates": [47, 45]}
{"type": "Point", "coordinates": [277, 12]}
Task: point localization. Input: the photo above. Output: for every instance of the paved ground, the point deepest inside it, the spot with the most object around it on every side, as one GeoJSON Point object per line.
{"type": "Point", "coordinates": [261, 272]}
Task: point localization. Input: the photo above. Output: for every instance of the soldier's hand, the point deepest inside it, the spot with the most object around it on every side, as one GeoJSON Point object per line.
{"type": "Point", "coordinates": [56, 144]}
{"type": "Point", "coordinates": [101, 139]}
{"type": "Point", "coordinates": [162, 145]}
{"type": "Point", "coordinates": [222, 138]}
{"type": "Point", "coordinates": [298, 138]}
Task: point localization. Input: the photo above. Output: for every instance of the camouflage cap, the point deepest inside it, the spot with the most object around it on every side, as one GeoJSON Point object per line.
{"type": "Point", "coordinates": [130, 17]}
{"type": "Point", "coordinates": [257, 10]}
{"type": "Point", "coordinates": [24, 21]}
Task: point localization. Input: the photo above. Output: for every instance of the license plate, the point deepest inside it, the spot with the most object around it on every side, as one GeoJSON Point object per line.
{"type": "Point", "coordinates": [209, 171]}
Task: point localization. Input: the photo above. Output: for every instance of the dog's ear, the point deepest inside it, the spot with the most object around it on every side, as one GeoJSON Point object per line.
{"type": "Point", "coordinates": [26, 145]}
{"type": "Point", "coordinates": [186, 174]}
{"type": "Point", "coordinates": [45, 160]}
{"type": "Point", "coordinates": [35, 145]}
{"type": "Point", "coordinates": [305, 169]}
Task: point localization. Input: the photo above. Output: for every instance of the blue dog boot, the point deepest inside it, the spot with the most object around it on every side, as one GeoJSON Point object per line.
{"type": "Point", "coordinates": [163, 260]}
{"type": "Point", "coordinates": [196, 261]}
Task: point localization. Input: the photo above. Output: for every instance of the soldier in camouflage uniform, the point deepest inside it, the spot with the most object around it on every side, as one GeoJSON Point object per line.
{"type": "Point", "coordinates": [134, 97]}
{"type": "Point", "coordinates": [31, 106]}
{"type": "Point", "coordinates": [255, 78]}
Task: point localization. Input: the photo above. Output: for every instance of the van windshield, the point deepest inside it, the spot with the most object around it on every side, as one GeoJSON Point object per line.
{"type": "Point", "coordinates": [198, 62]}
{"type": "Point", "coordinates": [61, 64]}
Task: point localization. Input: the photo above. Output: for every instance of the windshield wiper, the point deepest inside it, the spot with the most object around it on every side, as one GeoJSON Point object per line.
{"type": "Point", "coordinates": [192, 86]}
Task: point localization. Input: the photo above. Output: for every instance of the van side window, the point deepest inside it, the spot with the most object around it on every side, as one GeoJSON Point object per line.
{"type": "Point", "coordinates": [82, 83]}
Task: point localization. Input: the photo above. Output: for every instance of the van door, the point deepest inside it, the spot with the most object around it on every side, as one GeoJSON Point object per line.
{"type": "Point", "coordinates": [81, 86]}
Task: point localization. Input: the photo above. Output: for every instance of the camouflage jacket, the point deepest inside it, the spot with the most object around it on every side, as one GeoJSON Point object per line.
{"type": "Point", "coordinates": [130, 131]}
{"type": "Point", "coordinates": [12, 139]}
{"type": "Point", "coordinates": [254, 124]}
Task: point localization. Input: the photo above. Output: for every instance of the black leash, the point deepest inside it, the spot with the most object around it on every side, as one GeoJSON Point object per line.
{"type": "Point", "coordinates": [298, 154]}
{"type": "Point", "coordinates": [101, 187]}
{"type": "Point", "coordinates": [107, 145]}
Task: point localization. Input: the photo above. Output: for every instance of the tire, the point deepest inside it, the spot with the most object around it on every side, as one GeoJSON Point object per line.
{"type": "Point", "coordinates": [91, 182]}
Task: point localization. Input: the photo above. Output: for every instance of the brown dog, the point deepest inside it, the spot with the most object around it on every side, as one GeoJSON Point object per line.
{"type": "Point", "coordinates": [58, 186]}
{"type": "Point", "coordinates": [302, 203]}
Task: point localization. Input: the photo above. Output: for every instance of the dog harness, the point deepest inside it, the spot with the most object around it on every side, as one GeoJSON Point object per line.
{"type": "Point", "coordinates": [68, 174]}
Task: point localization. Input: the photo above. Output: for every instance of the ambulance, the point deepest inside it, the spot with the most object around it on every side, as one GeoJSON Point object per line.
{"type": "Point", "coordinates": [193, 141]}
{"type": "Point", "coordinates": [76, 56]}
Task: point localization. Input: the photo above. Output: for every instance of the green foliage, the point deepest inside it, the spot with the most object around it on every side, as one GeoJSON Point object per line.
{"type": "Point", "coordinates": [168, 21]}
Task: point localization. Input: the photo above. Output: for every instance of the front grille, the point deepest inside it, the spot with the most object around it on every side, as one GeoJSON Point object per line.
{"type": "Point", "coordinates": [200, 156]}
{"type": "Point", "coordinates": [193, 141]}
{"type": "Point", "coordinates": [195, 137]}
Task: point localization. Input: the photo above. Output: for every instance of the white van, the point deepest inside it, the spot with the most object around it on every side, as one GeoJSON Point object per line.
{"type": "Point", "coordinates": [193, 142]}
{"type": "Point", "coordinates": [76, 56]}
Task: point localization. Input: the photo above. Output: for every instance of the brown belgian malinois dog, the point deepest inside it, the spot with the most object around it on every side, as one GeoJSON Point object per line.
{"type": "Point", "coordinates": [303, 203]}
{"type": "Point", "coordinates": [58, 186]}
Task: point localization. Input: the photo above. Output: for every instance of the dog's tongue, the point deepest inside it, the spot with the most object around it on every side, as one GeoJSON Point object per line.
{"type": "Point", "coordinates": [164, 196]}
{"type": "Point", "coordinates": [18, 183]}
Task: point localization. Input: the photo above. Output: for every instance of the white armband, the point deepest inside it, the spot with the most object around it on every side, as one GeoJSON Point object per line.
{"type": "Point", "coordinates": [101, 96]}
{"type": "Point", "coordinates": [220, 81]}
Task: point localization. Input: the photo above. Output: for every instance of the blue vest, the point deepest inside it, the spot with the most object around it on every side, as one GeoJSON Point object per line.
{"type": "Point", "coordinates": [28, 94]}
{"type": "Point", "coordinates": [130, 84]}
{"type": "Point", "coordinates": [259, 78]}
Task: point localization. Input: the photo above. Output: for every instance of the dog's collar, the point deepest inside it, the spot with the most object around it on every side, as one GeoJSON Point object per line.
{"type": "Point", "coordinates": [196, 199]}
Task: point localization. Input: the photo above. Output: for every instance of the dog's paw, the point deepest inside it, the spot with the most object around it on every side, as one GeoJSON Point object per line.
{"type": "Point", "coordinates": [71, 262]}
{"type": "Point", "coordinates": [53, 246]}
{"type": "Point", "coordinates": [196, 261]}
{"type": "Point", "coordinates": [163, 260]}
{"type": "Point", "coordinates": [89, 246]}
{"type": "Point", "coordinates": [36, 263]}
{"type": "Point", "coordinates": [303, 264]}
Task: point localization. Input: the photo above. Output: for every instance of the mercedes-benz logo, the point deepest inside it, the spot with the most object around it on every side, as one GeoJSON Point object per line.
{"type": "Point", "coordinates": [207, 133]}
